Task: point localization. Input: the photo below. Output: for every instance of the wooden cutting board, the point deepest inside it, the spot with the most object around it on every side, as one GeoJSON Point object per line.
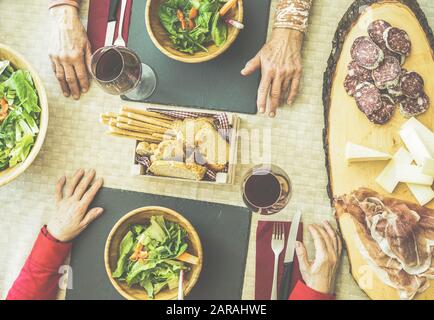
{"type": "Point", "coordinates": [345, 123]}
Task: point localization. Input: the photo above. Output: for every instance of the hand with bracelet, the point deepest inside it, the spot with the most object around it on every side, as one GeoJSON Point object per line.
{"type": "Point", "coordinates": [280, 60]}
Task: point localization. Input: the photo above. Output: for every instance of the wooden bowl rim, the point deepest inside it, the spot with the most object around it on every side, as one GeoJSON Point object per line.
{"type": "Point", "coordinates": [192, 234]}
{"type": "Point", "coordinates": [193, 59]}
{"type": "Point", "coordinates": [15, 172]}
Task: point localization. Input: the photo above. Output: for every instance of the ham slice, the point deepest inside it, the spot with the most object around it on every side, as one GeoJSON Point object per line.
{"type": "Point", "coordinates": [395, 238]}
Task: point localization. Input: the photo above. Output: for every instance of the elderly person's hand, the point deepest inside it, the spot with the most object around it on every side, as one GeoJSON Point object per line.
{"type": "Point", "coordinates": [281, 67]}
{"type": "Point", "coordinates": [70, 51]}
{"type": "Point", "coordinates": [320, 273]}
{"type": "Point", "coordinates": [73, 198]}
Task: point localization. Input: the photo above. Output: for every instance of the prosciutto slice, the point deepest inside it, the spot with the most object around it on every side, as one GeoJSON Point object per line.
{"type": "Point", "coordinates": [395, 237]}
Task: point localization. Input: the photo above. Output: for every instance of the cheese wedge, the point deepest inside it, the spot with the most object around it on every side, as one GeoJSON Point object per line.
{"type": "Point", "coordinates": [423, 194]}
{"type": "Point", "coordinates": [415, 145]}
{"type": "Point", "coordinates": [357, 153]}
{"type": "Point", "coordinates": [428, 167]}
{"type": "Point", "coordinates": [412, 174]}
{"type": "Point", "coordinates": [387, 178]}
{"type": "Point", "coordinates": [424, 133]}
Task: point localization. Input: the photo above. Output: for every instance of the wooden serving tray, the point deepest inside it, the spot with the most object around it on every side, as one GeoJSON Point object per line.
{"type": "Point", "coordinates": [345, 123]}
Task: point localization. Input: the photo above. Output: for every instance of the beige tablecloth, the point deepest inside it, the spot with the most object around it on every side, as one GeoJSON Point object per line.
{"type": "Point", "coordinates": [76, 139]}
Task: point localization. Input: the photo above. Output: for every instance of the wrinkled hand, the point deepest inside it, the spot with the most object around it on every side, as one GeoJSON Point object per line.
{"type": "Point", "coordinates": [280, 64]}
{"type": "Point", "coordinates": [320, 274]}
{"type": "Point", "coordinates": [70, 51]}
{"type": "Point", "coordinates": [73, 198]}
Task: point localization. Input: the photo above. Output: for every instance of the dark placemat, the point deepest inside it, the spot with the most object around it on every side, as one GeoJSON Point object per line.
{"type": "Point", "coordinates": [224, 232]}
{"type": "Point", "coordinates": [216, 84]}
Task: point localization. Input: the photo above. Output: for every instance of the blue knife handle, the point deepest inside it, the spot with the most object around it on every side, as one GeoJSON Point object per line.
{"type": "Point", "coordinates": [285, 286]}
{"type": "Point", "coordinates": [113, 11]}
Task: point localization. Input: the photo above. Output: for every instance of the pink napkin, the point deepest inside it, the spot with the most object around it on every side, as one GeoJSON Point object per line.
{"type": "Point", "coordinates": [265, 259]}
{"type": "Point", "coordinates": [97, 23]}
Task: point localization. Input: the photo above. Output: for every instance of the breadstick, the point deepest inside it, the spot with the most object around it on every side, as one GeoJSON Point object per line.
{"type": "Point", "coordinates": [163, 136]}
{"type": "Point", "coordinates": [144, 125]}
{"type": "Point", "coordinates": [129, 127]}
{"type": "Point", "coordinates": [145, 136]}
{"type": "Point", "coordinates": [146, 113]}
{"type": "Point", "coordinates": [154, 121]}
{"type": "Point", "coordinates": [109, 115]}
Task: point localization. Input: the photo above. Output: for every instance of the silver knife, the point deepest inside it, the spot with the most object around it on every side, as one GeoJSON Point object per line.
{"type": "Point", "coordinates": [285, 286]}
{"type": "Point", "coordinates": [111, 24]}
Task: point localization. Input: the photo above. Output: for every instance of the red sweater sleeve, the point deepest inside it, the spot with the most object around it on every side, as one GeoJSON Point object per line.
{"type": "Point", "coordinates": [303, 292]}
{"type": "Point", "coordinates": [39, 277]}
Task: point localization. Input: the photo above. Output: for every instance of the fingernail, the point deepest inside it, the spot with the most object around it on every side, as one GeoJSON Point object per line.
{"type": "Point", "coordinates": [272, 114]}
{"type": "Point", "coordinates": [261, 110]}
{"type": "Point", "coordinates": [100, 211]}
{"type": "Point", "coordinates": [84, 90]}
{"type": "Point", "coordinates": [76, 97]}
{"type": "Point", "coordinates": [66, 94]}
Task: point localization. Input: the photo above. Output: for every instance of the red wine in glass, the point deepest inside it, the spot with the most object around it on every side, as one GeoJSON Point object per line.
{"type": "Point", "coordinates": [266, 189]}
{"type": "Point", "coordinates": [118, 71]}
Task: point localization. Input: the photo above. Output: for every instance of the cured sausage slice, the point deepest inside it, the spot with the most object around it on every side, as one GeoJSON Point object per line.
{"type": "Point", "coordinates": [388, 73]}
{"type": "Point", "coordinates": [356, 71]}
{"type": "Point", "coordinates": [350, 85]}
{"type": "Point", "coordinates": [397, 40]}
{"type": "Point", "coordinates": [376, 30]}
{"type": "Point", "coordinates": [383, 115]}
{"type": "Point", "coordinates": [366, 53]}
{"type": "Point", "coordinates": [412, 107]}
{"type": "Point", "coordinates": [368, 98]}
{"type": "Point", "coordinates": [412, 84]}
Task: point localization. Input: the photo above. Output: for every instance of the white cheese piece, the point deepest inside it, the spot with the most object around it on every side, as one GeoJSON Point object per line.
{"type": "Point", "coordinates": [412, 174]}
{"type": "Point", "coordinates": [387, 178]}
{"type": "Point", "coordinates": [415, 145]}
{"type": "Point", "coordinates": [428, 167]}
{"type": "Point", "coordinates": [424, 133]}
{"type": "Point", "coordinates": [423, 194]}
{"type": "Point", "coordinates": [357, 153]}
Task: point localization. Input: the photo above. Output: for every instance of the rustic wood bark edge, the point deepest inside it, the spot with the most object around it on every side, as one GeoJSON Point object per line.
{"type": "Point", "coordinates": [348, 20]}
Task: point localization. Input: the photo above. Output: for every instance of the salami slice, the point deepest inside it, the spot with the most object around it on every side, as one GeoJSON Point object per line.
{"type": "Point", "coordinates": [388, 73]}
{"type": "Point", "coordinates": [400, 57]}
{"type": "Point", "coordinates": [350, 85]}
{"type": "Point", "coordinates": [356, 71]}
{"type": "Point", "coordinates": [366, 53]}
{"type": "Point", "coordinates": [412, 84]}
{"type": "Point", "coordinates": [385, 113]}
{"type": "Point", "coordinates": [394, 91]}
{"type": "Point", "coordinates": [397, 40]}
{"type": "Point", "coordinates": [412, 107]}
{"type": "Point", "coordinates": [368, 98]}
{"type": "Point", "coordinates": [376, 30]}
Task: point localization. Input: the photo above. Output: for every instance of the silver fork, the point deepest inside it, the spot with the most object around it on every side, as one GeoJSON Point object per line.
{"type": "Point", "coordinates": [120, 42]}
{"type": "Point", "coordinates": [277, 244]}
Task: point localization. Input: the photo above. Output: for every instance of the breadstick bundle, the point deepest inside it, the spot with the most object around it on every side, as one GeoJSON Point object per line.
{"type": "Point", "coordinates": [139, 124]}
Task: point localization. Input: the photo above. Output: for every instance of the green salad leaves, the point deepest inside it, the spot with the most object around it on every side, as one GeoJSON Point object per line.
{"type": "Point", "coordinates": [151, 255]}
{"type": "Point", "coordinates": [19, 115]}
{"type": "Point", "coordinates": [193, 24]}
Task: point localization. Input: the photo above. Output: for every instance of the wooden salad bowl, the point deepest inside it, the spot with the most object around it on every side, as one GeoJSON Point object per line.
{"type": "Point", "coordinates": [18, 61]}
{"type": "Point", "coordinates": [141, 216]}
{"type": "Point", "coordinates": [160, 37]}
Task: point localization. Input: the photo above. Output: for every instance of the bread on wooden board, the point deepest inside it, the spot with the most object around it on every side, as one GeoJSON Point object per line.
{"type": "Point", "coordinates": [190, 171]}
